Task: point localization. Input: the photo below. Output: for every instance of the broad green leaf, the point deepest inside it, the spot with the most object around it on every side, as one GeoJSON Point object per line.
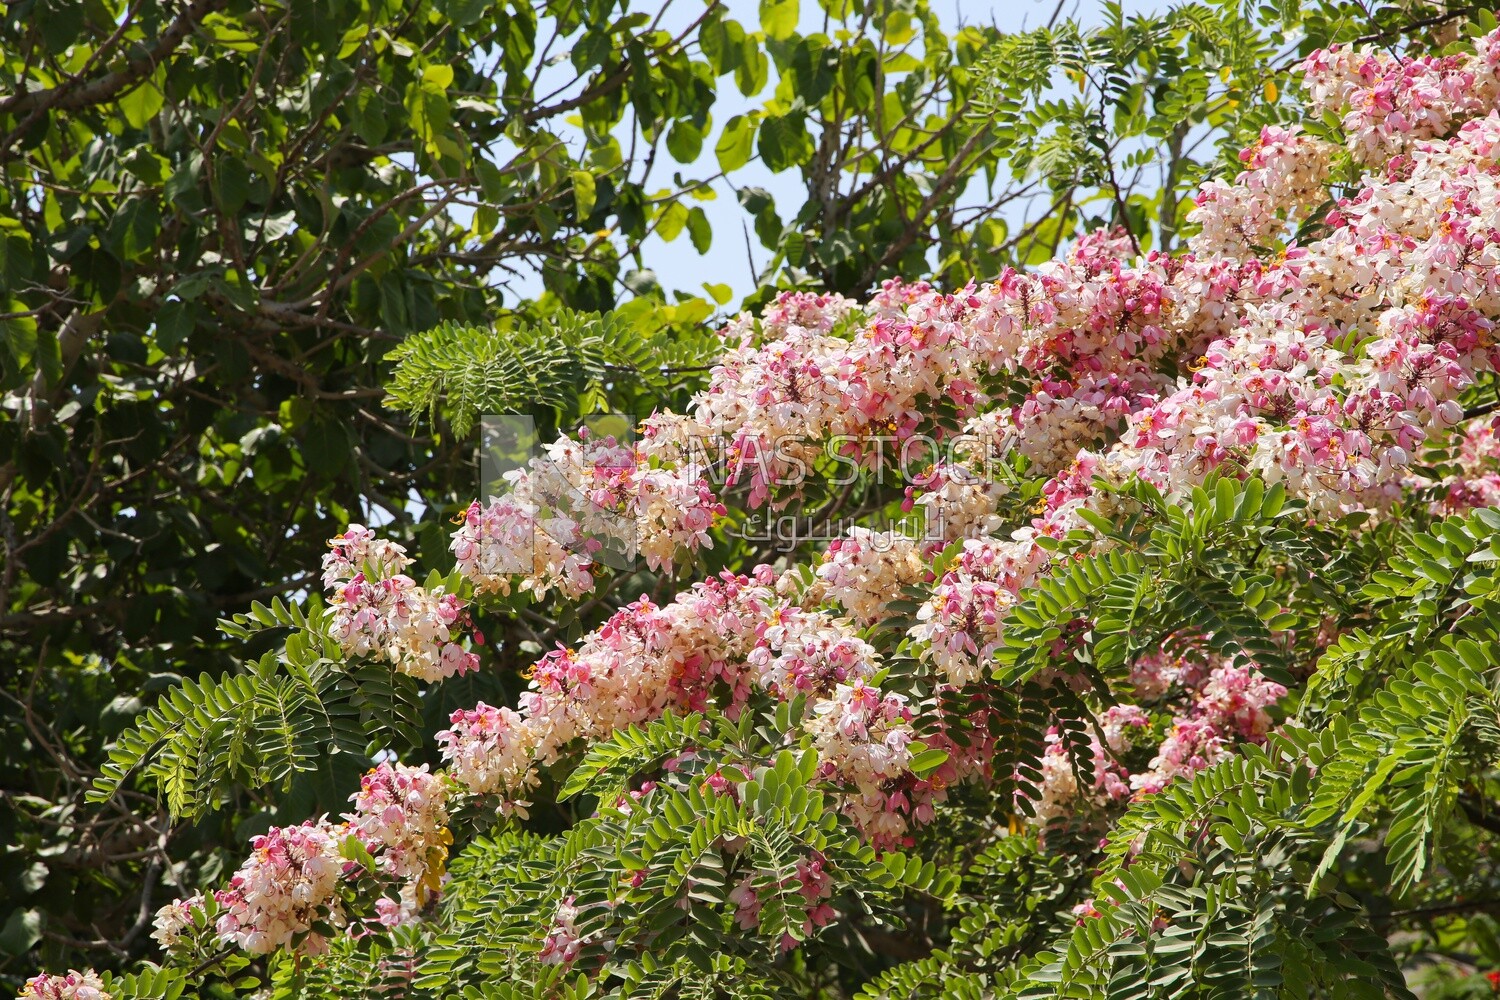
{"type": "Point", "coordinates": [672, 220]}
{"type": "Point", "coordinates": [735, 143]}
{"type": "Point", "coordinates": [699, 229]}
{"type": "Point", "coordinates": [142, 104]}
{"type": "Point", "coordinates": [778, 18]}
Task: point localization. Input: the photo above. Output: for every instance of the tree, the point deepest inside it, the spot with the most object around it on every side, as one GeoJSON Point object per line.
{"type": "Point", "coordinates": [1164, 667]}
{"type": "Point", "coordinates": [222, 221]}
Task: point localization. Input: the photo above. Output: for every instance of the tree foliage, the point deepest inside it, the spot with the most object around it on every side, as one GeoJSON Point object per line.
{"type": "Point", "coordinates": [262, 263]}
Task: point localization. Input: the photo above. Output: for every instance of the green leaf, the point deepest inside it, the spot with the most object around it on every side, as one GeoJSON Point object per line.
{"type": "Point", "coordinates": [464, 12]}
{"type": "Point", "coordinates": [583, 194]}
{"type": "Point", "coordinates": [673, 219]}
{"type": "Point", "coordinates": [735, 142]}
{"type": "Point", "coordinates": [778, 18]}
{"type": "Point", "coordinates": [784, 142]}
{"type": "Point", "coordinates": [685, 141]}
{"type": "Point", "coordinates": [23, 928]}
{"type": "Point", "coordinates": [174, 322]}
{"type": "Point", "coordinates": [699, 229]}
{"type": "Point", "coordinates": [437, 78]}
{"type": "Point", "coordinates": [18, 332]}
{"type": "Point", "coordinates": [750, 73]}
{"type": "Point", "coordinates": [926, 761]}
{"type": "Point", "coordinates": [231, 184]}
{"type": "Point", "coordinates": [142, 104]}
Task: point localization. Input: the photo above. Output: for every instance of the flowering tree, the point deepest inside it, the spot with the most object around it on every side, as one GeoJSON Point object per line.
{"type": "Point", "coordinates": [1152, 653]}
{"type": "Point", "coordinates": [221, 219]}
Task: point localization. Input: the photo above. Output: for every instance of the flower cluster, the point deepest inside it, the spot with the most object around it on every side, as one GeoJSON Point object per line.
{"type": "Point", "coordinates": [1231, 705]}
{"type": "Point", "coordinates": [804, 652]}
{"type": "Point", "coordinates": [1476, 483]}
{"type": "Point", "coordinates": [289, 884]}
{"type": "Point", "coordinates": [713, 645]}
{"type": "Point", "coordinates": [382, 613]}
{"type": "Point", "coordinates": [959, 626]}
{"type": "Point", "coordinates": [863, 570]}
{"type": "Point", "coordinates": [1061, 793]}
{"type": "Point", "coordinates": [1285, 178]}
{"type": "Point", "coordinates": [957, 501]}
{"type": "Point", "coordinates": [507, 540]}
{"type": "Point", "coordinates": [490, 750]}
{"type": "Point", "coordinates": [1388, 103]}
{"type": "Point", "coordinates": [819, 311]}
{"type": "Point", "coordinates": [562, 942]}
{"type": "Point", "coordinates": [863, 738]}
{"type": "Point", "coordinates": [73, 985]}
{"type": "Point", "coordinates": [174, 920]}
{"type": "Point", "coordinates": [645, 658]}
{"type": "Point", "coordinates": [576, 502]}
{"type": "Point", "coordinates": [289, 892]}
{"type": "Point", "coordinates": [1213, 708]}
{"type": "Point", "coordinates": [400, 814]}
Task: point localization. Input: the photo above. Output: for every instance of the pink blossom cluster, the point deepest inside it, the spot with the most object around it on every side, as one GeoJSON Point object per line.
{"type": "Point", "coordinates": [1212, 709]}
{"type": "Point", "coordinates": [72, 985]}
{"type": "Point", "coordinates": [713, 645]}
{"type": "Point", "coordinates": [382, 613]}
{"type": "Point", "coordinates": [289, 883]}
{"type": "Point", "coordinates": [958, 628]}
{"type": "Point", "coordinates": [491, 750]}
{"type": "Point", "coordinates": [358, 551]}
{"type": "Point", "coordinates": [1065, 791]}
{"type": "Point", "coordinates": [1061, 793]}
{"type": "Point", "coordinates": [1285, 179]}
{"type": "Point", "coordinates": [958, 501]}
{"type": "Point", "coordinates": [1085, 330]}
{"type": "Point", "coordinates": [1059, 415]}
{"type": "Point", "coordinates": [578, 498]}
{"type": "Point", "coordinates": [175, 919]}
{"type": "Point", "coordinates": [818, 311]}
{"type": "Point", "coordinates": [1231, 706]}
{"type": "Point", "coordinates": [1218, 706]}
{"type": "Point", "coordinates": [865, 569]}
{"type": "Point", "coordinates": [803, 652]}
{"type": "Point", "coordinates": [407, 906]}
{"type": "Point", "coordinates": [644, 659]}
{"type": "Point", "coordinates": [506, 541]}
{"type": "Point", "coordinates": [1476, 483]}
{"type": "Point", "coordinates": [401, 815]}
{"type": "Point", "coordinates": [864, 738]}
{"type": "Point", "coordinates": [562, 942]}
{"type": "Point", "coordinates": [1388, 103]}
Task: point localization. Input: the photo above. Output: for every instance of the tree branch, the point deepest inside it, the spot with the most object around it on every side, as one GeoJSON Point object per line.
{"type": "Point", "coordinates": [80, 93]}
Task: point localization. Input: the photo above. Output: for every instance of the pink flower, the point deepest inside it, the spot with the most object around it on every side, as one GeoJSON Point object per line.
{"type": "Point", "coordinates": [72, 985]}
{"type": "Point", "coordinates": [289, 883]}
